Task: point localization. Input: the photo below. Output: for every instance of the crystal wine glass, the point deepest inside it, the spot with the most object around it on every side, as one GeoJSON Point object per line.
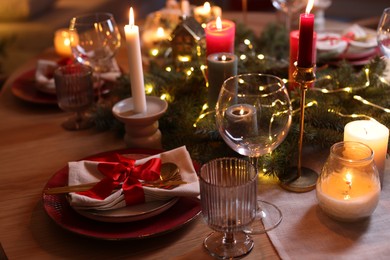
{"type": "Point", "coordinates": [94, 40]}
{"type": "Point", "coordinates": [383, 32]}
{"type": "Point", "coordinates": [74, 89]}
{"type": "Point", "coordinates": [253, 116]}
{"type": "Point", "coordinates": [289, 7]}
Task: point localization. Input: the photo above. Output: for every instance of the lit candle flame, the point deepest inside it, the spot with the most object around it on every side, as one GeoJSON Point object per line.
{"type": "Point", "coordinates": [242, 112]}
{"type": "Point", "coordinates": [218, 23]}
{"type": "Point", "coordinates": [67, 42]}
{"type": "Point", "coordinates": [309, 6]}
{"type": "Point", "coordinates": [223, 58]}
{"type": "Point", "coordinates": [160, 32]}
{"type": "Point", "coordinates": [131, 17]}
{"type": "Point", "coordinates": [207, 7]}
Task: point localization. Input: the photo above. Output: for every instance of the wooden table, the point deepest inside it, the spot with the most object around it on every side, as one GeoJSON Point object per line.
{"type": "Point", "coordinates": [33, 146]}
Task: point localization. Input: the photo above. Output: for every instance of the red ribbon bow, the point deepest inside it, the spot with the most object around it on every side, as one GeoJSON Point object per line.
{"type": "Point", "coordinates": [122, 171]}
{"type": "Point", "coordinates": [346, 38]}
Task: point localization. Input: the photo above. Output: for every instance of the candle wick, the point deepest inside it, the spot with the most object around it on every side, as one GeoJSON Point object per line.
{"type": "Point", "coordinates": [346, 193]}
{"type": "Point", "coordinates": [349, 183]}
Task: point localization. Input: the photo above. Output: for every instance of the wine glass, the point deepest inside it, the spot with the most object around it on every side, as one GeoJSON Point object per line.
{"type": "Point", "coordinates": [289, 7]}
{"type": "Point", "coordinates": [253, 116]}
{"type": "Point", "coordinates": [94, 40]}
{"type": "Point", "coordinates": [383, 32]}
{"type": "Point", "coordinates": [74, 90]}
{"type": "Point", "coordinates": [228, 198]}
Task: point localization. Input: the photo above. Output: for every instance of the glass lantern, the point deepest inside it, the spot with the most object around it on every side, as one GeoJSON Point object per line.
{"type": "Point", "coordinates": [157, 30]}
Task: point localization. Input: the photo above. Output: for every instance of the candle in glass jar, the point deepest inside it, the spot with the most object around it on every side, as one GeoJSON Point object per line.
{"type": "Point", "coordinates": [62, 42]}
{"type": "Point", "coordinates": [242, 120]}
{"type": "Point", "coordinates": [206, 12]}
{"type": "Point", "coordinates": [135, 65]}
{"type": "Point", "coordinates": [152, 37]}
{"type": "Point", "coordinates": [220, 66]}
{"type": "Point", "coordinates": [349, 195]}
{"type": "Point", "coordinates": [373, 134]}
{"type": "Point", "coordinates": [220, 36]}
{"type": "Point", "coordinates": [306, 33]}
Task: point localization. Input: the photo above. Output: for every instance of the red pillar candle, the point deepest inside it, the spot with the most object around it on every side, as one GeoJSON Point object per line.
{"type": "Point", "coordinates": [294, 38]}
{"type": "Point", "coordinates": [306, 33]}
{"type": "Point", "coordinates": [294, 43]}
{"type": "Point", "coordinates": [220, 36]}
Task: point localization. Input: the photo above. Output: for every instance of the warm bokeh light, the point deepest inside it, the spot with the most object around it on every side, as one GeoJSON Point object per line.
{"type": "Point", "coordinates": [207, 7]}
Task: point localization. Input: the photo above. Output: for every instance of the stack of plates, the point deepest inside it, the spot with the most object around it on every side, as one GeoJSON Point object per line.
{"type": "Point", "coordinates": [131, 222]}
{"type": "Point", "coordinates": [356, 45]}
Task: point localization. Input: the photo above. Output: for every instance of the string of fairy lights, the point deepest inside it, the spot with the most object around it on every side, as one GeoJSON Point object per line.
{"type": "Point", "coordinates": [205, 110]}
{"type": "Point", "coordinates": [355, 97]}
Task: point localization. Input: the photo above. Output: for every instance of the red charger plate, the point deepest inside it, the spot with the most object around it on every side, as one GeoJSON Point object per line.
{"type": "Point", "coordinates": [24, 87]}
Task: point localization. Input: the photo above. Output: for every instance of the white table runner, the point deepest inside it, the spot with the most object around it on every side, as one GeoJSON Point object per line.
{"type": "Point", "coordinates": [307, 233]}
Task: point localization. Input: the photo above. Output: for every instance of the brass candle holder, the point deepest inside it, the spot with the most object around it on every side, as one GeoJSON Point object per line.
{"type": "Point", "coordinates": [301, 179]}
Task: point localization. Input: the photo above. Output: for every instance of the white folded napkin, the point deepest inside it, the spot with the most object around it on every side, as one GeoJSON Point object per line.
{"type": "Point", "coordinates": [331, 42]}
{"type": "Point", "coordinates": [360, 37]}
{"type": "Point", "coordinates": [44, 75]}
{"type": "Point", "coordinates": [355, 32]}
{"type": "Point", "coordinates": [82, 172]}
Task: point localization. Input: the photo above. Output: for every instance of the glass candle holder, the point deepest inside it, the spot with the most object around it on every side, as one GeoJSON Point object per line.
{"type": "Point", "coordinates": [348, 188]}
{"type": "Point", "coordinates": [62, 43]}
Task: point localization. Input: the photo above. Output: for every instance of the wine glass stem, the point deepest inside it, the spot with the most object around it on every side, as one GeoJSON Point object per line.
{"type": "Point", "coordinates": [228, 238]}
{"type": "Point", "coordinates": [254, 161]}
{"type": "Point", "coordinates": [78, 119]}
{"type": "Point", "coordinates": [99, 86]}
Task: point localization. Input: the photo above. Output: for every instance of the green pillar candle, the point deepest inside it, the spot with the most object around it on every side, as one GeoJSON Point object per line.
{"type": "Point", "coordinates": [220, 67]}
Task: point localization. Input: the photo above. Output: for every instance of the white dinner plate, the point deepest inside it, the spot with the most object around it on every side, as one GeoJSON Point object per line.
{"type": "Point", "coordinates": [129, 213]}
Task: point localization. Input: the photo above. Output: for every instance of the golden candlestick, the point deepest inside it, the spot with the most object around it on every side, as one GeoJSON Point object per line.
{"type": "Point", "coordinates": [301, 179]}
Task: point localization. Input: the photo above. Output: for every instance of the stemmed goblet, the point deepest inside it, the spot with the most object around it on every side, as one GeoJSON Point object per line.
{"type": "Point", "coordinates": [383, 32]}
{"type": "Point", "coordinates": [253, 116]}
{"type": "Point", "coordinates": [94, 39]}
{"type": "Point", "coordinates": [74, 89]}
{"type": "Point", "coordinates": [228, 198]}
{"type": "Point", "coordinates": [289, 7]}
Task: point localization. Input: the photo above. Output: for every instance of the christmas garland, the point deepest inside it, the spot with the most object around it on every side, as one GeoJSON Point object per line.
{"type": "Point", "coordinates": [340, 94]}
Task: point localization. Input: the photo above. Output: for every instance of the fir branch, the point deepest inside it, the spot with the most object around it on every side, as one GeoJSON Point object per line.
{"type": "Point", "coordinates": [274, 41]}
